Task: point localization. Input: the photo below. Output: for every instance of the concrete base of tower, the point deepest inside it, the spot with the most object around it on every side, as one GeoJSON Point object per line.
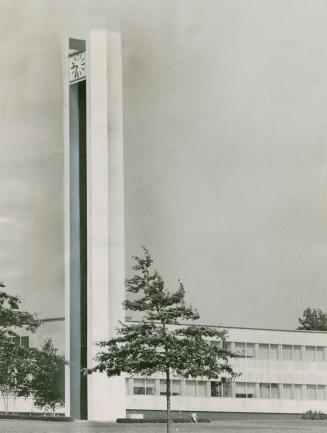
{"type": "Point", "coordinates": [106, 398]}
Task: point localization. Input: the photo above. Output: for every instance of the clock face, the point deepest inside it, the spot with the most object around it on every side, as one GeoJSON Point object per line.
{"type": "Point", "coordinates": [77, 67]}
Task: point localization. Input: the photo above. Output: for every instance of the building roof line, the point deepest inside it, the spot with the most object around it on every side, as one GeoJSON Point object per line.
{"type": "Point", "coordinates": [61, 319]}
{"type": "Point", "coordinates": [52, 319]}
{"type": "Point", "coordinates": [243, 327]}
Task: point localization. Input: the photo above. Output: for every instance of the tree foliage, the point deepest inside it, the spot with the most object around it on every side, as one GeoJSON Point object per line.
{"type": "Point", "coordinates": [11, 317]}
{"type": "Point", "coordinates": [16, 365]}
{"type": "Point", "coordinates": [313, 319]}
{"type": "Point", "coordinates": [48, 385]}
{"type": "Point", "coordinates": [162, 341]}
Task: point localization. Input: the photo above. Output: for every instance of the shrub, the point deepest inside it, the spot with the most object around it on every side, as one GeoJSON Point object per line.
{"type": "Point", "coordinates": [59, 418]}
{"type": "Point", "coordinates": [156, 420]}
{"type": "Point", "coordinates": [314, 414]}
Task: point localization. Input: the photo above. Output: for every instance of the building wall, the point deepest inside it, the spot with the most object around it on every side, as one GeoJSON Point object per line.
{"type": "Point", "coordinates": [306, 372]}
{"type": "Point", "coordinates": [254, 370]}
{"type": "Point", "coordinates": [50, 328]}
{"type": "Point", "coordinates": [53, 328]}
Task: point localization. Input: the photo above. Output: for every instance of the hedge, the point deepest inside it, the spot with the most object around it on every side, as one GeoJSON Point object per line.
{"type": "Point", "coordinates": [157, 420]}
{"type": "Point", "coordinates": [59, 418]}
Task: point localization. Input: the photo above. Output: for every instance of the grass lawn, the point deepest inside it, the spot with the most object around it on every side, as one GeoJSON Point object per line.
{"type": "Point", "coordinates": [259, 426]}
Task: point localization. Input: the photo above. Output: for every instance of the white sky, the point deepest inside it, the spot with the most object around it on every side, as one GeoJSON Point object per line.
{"type": "Point", "coordinates": [225, 123]}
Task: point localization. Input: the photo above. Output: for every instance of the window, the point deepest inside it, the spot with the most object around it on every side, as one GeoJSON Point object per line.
{"type": "Point", "coordinates": [20, 341]}
{"type": "Point", "coordinates": [321, 392]}
{"type": "Point", "coordinates": [227, 389]}
{"type": "Point", "coordinates": [240, 389]}
{"type": "Point", "coordinates": [288, 391]}
{"type": "Point", "coordinates": [16, 340]}
{"type": "Point", "coordinates": [287, 352]}
{"type": "Point", "coordinates": [221, 389]}
{"type": "Point", "coordinates": [176, 387]}
{"type": "Point", "coordinates": [139, 386]}
{"type": "Point", "coordinates": [298, 392]}
{"type": "Point", "coordinates": [202, 389]}
{"type": "Point", "coordinates": [263, 351]}
{"type": "Point", "coordinates": [245, 350]}
{"type": "Point", "coordinates": [320, 354]}
{"type": "Point", "coordinates": [310, 353]}
{"type": "Point", "coordinates": [216, 389]}
{"type": "Point", "coordinates": [163, 387]}
{"type": "Point", "coordinates": [245, 390]}
{"type": "Point", "coordinates": [143, 386]}
{"type": "Point", "coordinates": [227, 345]}
{"type": "Point", "coordinates": [240, 350]}
{"type": "Point", "coordinates": [251, 390]}
{"type": "Point", "coordinates": [190, 388]}
{"type": "Point", "coordinates": [311, 392]}
{"type": "Point", "coordinates": [24, 341]}
{"type": "Point", "coordinates": [250, 350]}
{"type": "Point", "coordinates": [274, 390]}
{"type": "Point", "coordinates": [215, 343]}
{"type": "Point", "coordinates": [274, 351]}
{"type": "Point", "coordinates": [264, 390]}
{"type": "Point", "coordinates": [297, 353]}
{"type": "Point", "coordinates": [149, 387]}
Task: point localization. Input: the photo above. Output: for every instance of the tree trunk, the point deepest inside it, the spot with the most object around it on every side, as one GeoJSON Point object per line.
{"type": "Point", "coordinates": [168, 393]}
{"type": "Point", "coordinates": [5, 401]}
{"type": "Point", "coordinates": [14, 405]}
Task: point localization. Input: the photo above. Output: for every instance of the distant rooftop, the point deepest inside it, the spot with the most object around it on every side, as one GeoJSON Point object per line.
{"type": "Point", "coordinates": [243, 327]}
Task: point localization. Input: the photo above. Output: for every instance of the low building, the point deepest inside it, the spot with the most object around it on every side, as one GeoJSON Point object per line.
{"type": "Point", "coordinates": [280, 372]}
{"type": "Point", "coordinates": [50, 328]}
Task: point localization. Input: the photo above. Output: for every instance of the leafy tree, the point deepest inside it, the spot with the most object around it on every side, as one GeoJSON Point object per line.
{"type": "Point", "coordinates": [12, 318]}
{"type": "Point", "coordinates": [48, 385]}
{"type": "Point", "coordinates": [16, 365]}
{"type": "Point", "coordinates": [159, 343]}
{"type": "Point", "coordinates": [313, 319]}
{"type": "Point", "coordinates": [15, 361]}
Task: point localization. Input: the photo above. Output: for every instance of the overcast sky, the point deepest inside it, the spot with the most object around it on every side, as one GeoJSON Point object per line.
{"type": "Point", "coordinates": [225, 126]}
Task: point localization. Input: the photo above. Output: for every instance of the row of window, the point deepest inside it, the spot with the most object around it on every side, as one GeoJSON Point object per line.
{"type": "Point", "coordinates": [283, 391]}
{"type": "Point", "coordinates": [285, 352]}
{"type": "Point", "coordinates": [202, 388]}
{"type": "Point", "coordinates": [20, 341]}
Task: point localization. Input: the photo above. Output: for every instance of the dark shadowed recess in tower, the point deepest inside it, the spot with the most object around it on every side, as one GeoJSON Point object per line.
{"type": "Point", "coordinates": [78, 241]}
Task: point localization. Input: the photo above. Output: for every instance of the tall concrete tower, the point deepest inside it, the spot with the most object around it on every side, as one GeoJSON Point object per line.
{"type": "Point", "coordinates": [94, 206]}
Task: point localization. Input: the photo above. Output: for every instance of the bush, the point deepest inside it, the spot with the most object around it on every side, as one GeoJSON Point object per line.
{"type": "Point", "coordinates": [314, 414]}
{"type": "Point", "coordinates": [156, 420]}
{"type": "Point", "coordinates": [60, 418]}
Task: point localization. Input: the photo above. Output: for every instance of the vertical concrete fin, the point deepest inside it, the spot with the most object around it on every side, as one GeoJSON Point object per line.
{"type": "Point", "coordinates": [106, 257]}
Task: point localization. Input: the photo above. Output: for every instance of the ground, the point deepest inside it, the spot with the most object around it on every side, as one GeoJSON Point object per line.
{"type": "Point", "coordinates": [259, 426]}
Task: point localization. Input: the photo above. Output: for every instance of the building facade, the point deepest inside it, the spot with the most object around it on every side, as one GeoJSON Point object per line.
{"type": "Point", "coordinates": [280, 371]}
{"type": "Point", "coordinates": [50, 328]}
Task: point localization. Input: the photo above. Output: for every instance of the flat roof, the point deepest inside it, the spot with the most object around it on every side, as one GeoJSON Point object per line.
{"type": "Point", "coordinates": [52, 319]}
{"type": "Point", "coordinates": [244, 327]}
{"type": "Point", "coordinates": [59, 319]}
